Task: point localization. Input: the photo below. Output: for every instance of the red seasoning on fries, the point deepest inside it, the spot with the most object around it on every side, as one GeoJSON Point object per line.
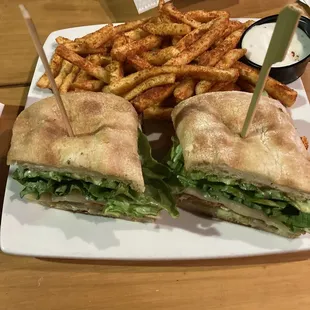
{"type": "Point", "coordinates": [100, 36]}
{"type": "Point", "coordinates": [227, 61]}
{"type": "Point", "coordinates": [96, 71]}
{"type": "Point", "coordinates": [204, 17]}
{"type": "Point", "coordinates": [202, 44]}
{"type": "Point", "coordinates": [167, 29]}
{"type": "Point", "coordinates": [158, 62]}
{"type": "Point", "coordinates": [172, 11]}
{"type": "Point", "coordinates": [184, 90]}
{"type": "Point", "coordinates": [120, 53]}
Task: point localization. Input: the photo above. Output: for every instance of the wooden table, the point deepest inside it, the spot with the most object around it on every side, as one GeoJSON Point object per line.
{"type": "Point", "coordinates": [273, 282]}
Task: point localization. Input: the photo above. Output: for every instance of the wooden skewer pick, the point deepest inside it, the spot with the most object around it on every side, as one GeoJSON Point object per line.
{"type": "Point", "coordinates": [281, 38]}
{"type": "Point", "coordinates": [35, 38]}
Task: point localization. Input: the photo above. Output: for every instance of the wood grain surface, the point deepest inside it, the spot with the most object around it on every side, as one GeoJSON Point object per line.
{"type": "Point", "coordinates": [270, 282]}
{"type": "Point", "coordinates": [243, 284]}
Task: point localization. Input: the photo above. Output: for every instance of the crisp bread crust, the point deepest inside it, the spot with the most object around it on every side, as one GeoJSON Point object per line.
{"type": "Point", "coordinates": [209, 125]}
{"type": "Point", "coordinates": [105, 142]}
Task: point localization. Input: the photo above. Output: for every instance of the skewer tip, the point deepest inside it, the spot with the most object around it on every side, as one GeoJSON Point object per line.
{"type": "Point", "coordinates": [24, 11]}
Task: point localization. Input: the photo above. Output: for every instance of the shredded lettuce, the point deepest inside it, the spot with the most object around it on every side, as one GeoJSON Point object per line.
{"type": "Point", "coordinates": [119, 199]}
{"type": "Point", "coordinates": [272, 202]}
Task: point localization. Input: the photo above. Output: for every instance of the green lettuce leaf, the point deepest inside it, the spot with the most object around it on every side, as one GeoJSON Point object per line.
{"type": "Point", "coordinates": [151, 168]}
{"type": "Point", "coordinates": [272, 202]}
{"type": "Point", "coordinates": [155, 177]}
{"type": "Point", "coordinates": [119, 198]}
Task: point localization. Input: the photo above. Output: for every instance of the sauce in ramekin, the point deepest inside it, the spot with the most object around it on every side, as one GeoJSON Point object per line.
{"type": "Point", "coordinates": [257, 40]}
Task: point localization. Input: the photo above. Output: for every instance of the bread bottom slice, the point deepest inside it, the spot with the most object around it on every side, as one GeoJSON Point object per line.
{"type": "Point", "coordinates": [220, 210]}
{"type": "Point", "coordinates": [89, 208]}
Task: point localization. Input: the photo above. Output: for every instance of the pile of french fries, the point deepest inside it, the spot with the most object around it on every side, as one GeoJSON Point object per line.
{"type": "Point", "coordinates": [155, 63]}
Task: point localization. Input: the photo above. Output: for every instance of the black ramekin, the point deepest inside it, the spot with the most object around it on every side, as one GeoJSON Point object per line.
{"type": "Point", "coordinates": [285, 74]}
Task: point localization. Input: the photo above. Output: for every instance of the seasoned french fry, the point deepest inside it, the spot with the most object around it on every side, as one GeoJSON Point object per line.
{"type": "Point", "coordinates": [218, 86]}
{"type": "Point", "coordinates": [90, 85]}
{"type": "Point", "coordinates": [101, 60]}
{"type": "Point", "coordinates": [55, 65]}
{"type": "Point", "coordinates": [136, 34]}
{"type": "Point", "coordinates": [166, 29]}
{"type": "Point", "coordinates": [158, 80]}
{"type": "Point", "coordinates": [82, 39]}
{"type": "Point", "coordinates": [116, 71]}
{"type": "Point", "coordinates": [203, 87]}
{"type": "Point", "coordinates": [171, 10]}
{"type": "Point", "coordinates": [165, 18]}
{"type": "Point", "coordinates": [138, 62]}
{"type": "Point", "coordinates": [84, 49]}
{"type": "Point", "coordinates": [100, 36]}
{"type": "Point", "coordinates": [66, 68]}
{"type": "Point", "coordinates": [120, 53]}
{"type": "Point", "coordinates": [200, 45]}
{"type": "Point", "coordinates": [175, 40]}
{"type": "Point", "coordinates": [184, 90]}
{"type": "Point", "coordinates": [107, 45]}
{"type": "Point", "coordinates": [274, 88]}
{"type": "Point", "coordinates": [232, 26]}
{"type": "Point", "coordinates": [161, 3]}
{"type": "Point", "coordinates": [193, 36]}
{"type": "Point", "coordinates": [245, 85]}
{"type": "Point", "coordinates": [130, 25]}
{"type": "Point", "coordinates": [230, 58]}
{"type": "Point", "coordinates": [93, 70]}
{"type": "Point", "coordinates": [153, 96]}
{"type": "Point", "coordinates": [120, 41]}
{"type": "Point", "coordinates": [67, 83]}
{"type": "Point", "coordinates": [226, 62]}
{"type": "Point", "coordinates": [82, 76]}
{"type": "Point", "coordinates": [106, 89]}
{"type": "Point", "coordinates": [96, 59]}
{"type": "Point", "coordinates": [248, 23]}
{"type": "Point", "coordinates": [225, 86]}
{"type": "Point", "coordinates": [205, 16]}
{"type": "Point", "coordinates": [159, 57]}
{"type": "Point", "coordinates": [157, 112]}
{"type": "Point", "coordinates": [62, 40]}
{"type": "Point", "coordinates": [155, 20]}
{"type": "Point", "coordinates": [199, 72]}
{"type": "Point", "coordinates": [305, 142]}
{"type": "Point", "coordinates": [210, 58]}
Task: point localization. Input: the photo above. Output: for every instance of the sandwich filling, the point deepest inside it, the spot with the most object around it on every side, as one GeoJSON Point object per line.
{"type": "Point", "coordinates": [271, 206]}
{"type": "Point", "coordinates": [106, 196]}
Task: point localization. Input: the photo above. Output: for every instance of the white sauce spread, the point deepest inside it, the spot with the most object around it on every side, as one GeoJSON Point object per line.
{"type": "Point", "coordinates": [257, 40]}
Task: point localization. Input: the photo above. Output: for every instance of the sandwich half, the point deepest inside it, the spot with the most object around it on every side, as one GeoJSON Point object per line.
{"type": "Point", "coordinates": [105, 169]}
{"type": "Point", "coordinates": [261, 181]}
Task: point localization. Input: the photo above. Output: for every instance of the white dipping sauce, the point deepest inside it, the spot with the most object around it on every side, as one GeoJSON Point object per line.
{"type": "Point", "coordinates": [257, 40]}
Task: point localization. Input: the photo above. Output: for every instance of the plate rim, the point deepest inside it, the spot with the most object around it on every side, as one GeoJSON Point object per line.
{"type": "Point", "coordinates": [21, 253]}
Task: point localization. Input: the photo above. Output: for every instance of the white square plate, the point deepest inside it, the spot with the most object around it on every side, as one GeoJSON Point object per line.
{"type": "Point", "coordinates": [29, 229]}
